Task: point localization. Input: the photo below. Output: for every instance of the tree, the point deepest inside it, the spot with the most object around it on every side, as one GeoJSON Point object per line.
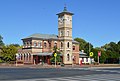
{"type": "Point", "coordinates": [82, 43]}
{"type": "Point", "coordinates": [118, 47]}
{"type": "Point", "coordinates": [8, 53]}
{"type": "Point", "coordinates": [1, 42]}
{"type": "Point", "coordinates": [112, 51]}
{"type": "Point", "coordinates": [88, 47]}
{"type": "Point", "coordinates": [16, 45]}
{"type": "Point", "coordinates": [103, 56]}
{"type": "Point", "coordinates": [58, 57]}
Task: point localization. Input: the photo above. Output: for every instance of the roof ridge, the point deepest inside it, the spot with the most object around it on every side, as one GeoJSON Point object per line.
{"type": "Point", "coordinates": [44, 36]}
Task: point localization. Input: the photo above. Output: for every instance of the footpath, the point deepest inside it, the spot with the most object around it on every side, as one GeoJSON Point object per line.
{"type": "Point", "coordinates": [59, 66]}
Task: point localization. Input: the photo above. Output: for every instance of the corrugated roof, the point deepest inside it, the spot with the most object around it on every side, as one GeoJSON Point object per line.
{"type": "Point", "coordinates": [73, 41]}
{"type": "Point", "coordinates": [82, 53]}
{"type": "Point", "coordinates": [43, 36]}
{"type": "Point", "coordinates": [43, 54]}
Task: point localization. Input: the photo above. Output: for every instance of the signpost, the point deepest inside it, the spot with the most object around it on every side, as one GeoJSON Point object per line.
{"type": "Point", "coordinates": [91, 55]}
{"type": "Point", "coordinates": [99, 54]}
{"type": "Point", "coordinates": [55, 55]}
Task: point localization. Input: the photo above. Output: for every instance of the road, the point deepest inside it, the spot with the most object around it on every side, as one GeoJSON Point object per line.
{"type": "Point", "coordinates": [60, 74]}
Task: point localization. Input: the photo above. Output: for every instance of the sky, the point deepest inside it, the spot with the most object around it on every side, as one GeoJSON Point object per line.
{"type": "Point", "coordinates": [96, 21]}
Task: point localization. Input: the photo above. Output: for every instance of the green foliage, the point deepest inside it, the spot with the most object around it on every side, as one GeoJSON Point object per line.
{"type": "Point", "coordinates": [112, 49]}
{"type": "Point", "coordinates": [1, 61]}
{"type": "Point", "coordinates": [8, 53]}
{"type": "Point", "coordinates": [108, 51]}
{"type": "Point", "coordinates": [16, 45]}
{"type": "Point", "coordinates": [58, 58]}
{"type": "Point", "coordinates": [1, 42]}
{"type": "Point", "coordinates": [88, 48]}
{"type": "Point", "coordinates": [82, 43]}
{"type": "Point", "coordinates": [103, 56]}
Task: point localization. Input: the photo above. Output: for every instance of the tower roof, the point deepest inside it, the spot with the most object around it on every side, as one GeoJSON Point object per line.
{"type": "Point", "coordinates": [65, 12]}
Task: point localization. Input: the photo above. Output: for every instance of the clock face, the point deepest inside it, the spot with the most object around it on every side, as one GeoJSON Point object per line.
{"type": "Point", "coordinates": [68, 20]}
{"type": "Point", "coordinates": [60, 20]}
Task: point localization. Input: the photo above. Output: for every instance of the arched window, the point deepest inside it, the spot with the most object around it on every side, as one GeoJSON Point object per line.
{"type": "Point", "coordinates": [68, 45]}
{"type": "Point", "coordinates": [45, 44]}
{"type": "Point", "coordinates": [73, 47]}
{"type": "Point", "coordinates": [55, 44]}
{"type": "Point", "coordinates": [21, 57]}
{"type": "Point", "coordinates": [68, 57]}
{"type": "Point", "coordinates": [61, 45]}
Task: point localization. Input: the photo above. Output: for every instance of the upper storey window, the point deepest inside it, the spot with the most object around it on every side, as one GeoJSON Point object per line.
{"type": "Point", "coordinates": [28, 43]}
{"type": "Point", "coordinates": [24, 44]}
{"type": "Point", "coordinates": [68, 44]}
{"type": "Point", "coordinates": [45, 44]}
{"type": "Point", "coordinates": [61, 33]}
{"type": "Point", "coordinates": [35, 44]}
{"type": "Point", "coordinates": [55, 44]}
{"type": "Point", "coordinates": [68, 33]}
{"type": "Point", "coordinates": [39, 44]}
{"type": "Point", "coordinates": [73, 47]}
{"type": "Point", "coordinates": [61, 44]}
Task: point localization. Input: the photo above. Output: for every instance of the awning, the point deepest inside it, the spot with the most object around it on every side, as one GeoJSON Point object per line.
{"type": "Point", "coordinates": [43, 54]}
{"type": "Point", "coordinates": [83, 56]}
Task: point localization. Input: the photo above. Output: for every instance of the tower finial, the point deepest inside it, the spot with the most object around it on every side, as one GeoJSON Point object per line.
{"type": "Point", "coordinates": [65, 8]}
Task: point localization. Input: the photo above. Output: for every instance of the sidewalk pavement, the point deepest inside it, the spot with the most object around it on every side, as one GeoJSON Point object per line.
{"type": "Point", "coordinates": [59, 66]}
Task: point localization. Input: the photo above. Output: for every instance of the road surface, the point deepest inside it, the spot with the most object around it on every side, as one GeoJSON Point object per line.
{"type": "Point", "coordinates": [60, 74]}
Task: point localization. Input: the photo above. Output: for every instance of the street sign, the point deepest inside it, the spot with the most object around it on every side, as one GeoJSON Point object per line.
{"type": "Point", "coordinates": [55, 54]}
{"type": "Point", "coordinates": [91, 54]}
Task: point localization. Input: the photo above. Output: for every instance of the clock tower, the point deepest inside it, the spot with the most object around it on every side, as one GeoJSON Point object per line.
{"type": "Point", "coordinates": [65, 35]}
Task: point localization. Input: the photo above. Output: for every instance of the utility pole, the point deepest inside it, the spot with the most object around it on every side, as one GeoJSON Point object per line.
{"type": "Point", "coordinates": [89, 51]}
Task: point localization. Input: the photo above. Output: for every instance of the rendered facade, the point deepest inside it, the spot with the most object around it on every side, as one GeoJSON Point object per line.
{"type": "Point", "coordinates": [39, 47]}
